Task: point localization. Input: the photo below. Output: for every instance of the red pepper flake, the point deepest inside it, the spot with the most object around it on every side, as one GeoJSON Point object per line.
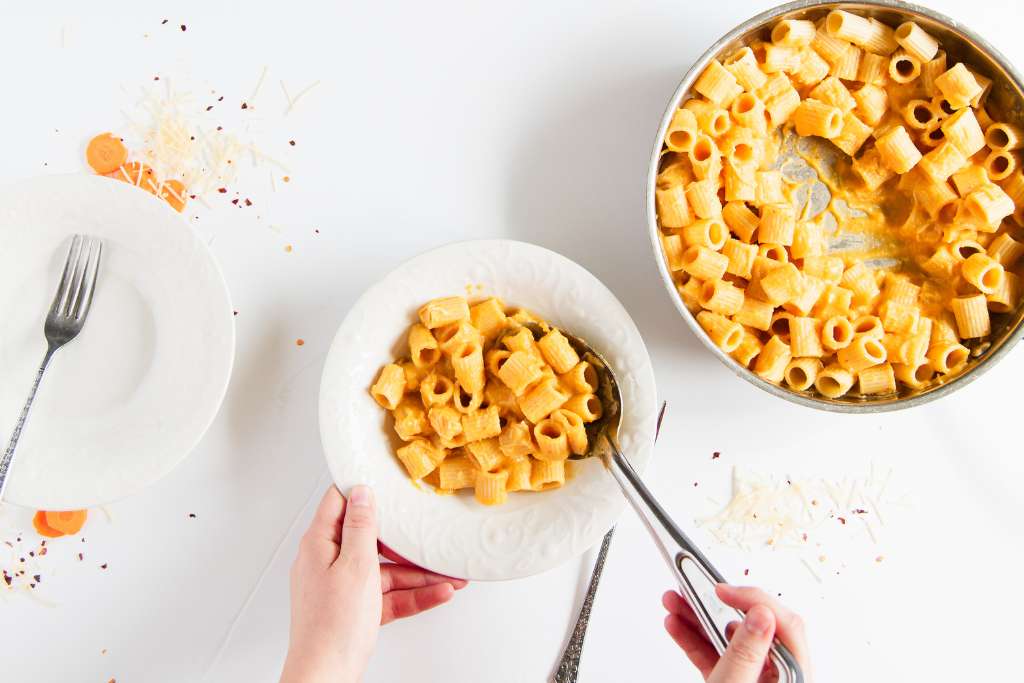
{"type": "Point", "coordinates": [300, 342]}
{"type": "Point", "coordinates": [80, 557]}
{"type": "Point", "coordinates": [716, 455]}
{"type": "Point", "coordinates": [316, 231]}
{"type": "Point", "coordinates": [156, 78]}
{"type": "Point", "coordinates": [247, 202]}
{"type": "Point", "coordinates": [191, 515]}
{"type": "Point", "coordinates": [860, 511]}
{"type": "Point", "coordinates": [235, 201]}
{"type": "Point", "coordinates": [222, 190]}
{"type": "Point", "coordinates": [7, 578]}
{"type": "Point", "coordinates": [37, 578]}
{"type": "Point", "coordinates": [291, 142]}
{"type": "Point", "coordinates": [220, 99]}
{"type": "Point", "coordinates": [235, 312]}
{"type": "Point", "coordinates": [805, 536]}
{"type": "Point", "coordinates": [163, 22]}
{"type": "Point", "coordinates": [842, 520]}
{"type": "Point", "coordinates": [103, 566]}
{"type": "Point", "coordinates": [244, 105]}
{"type": "Point", "coordinates": [31, 553]}
{"type": "Point", "coordinates": [695, 484]}
{"type": "Point", "coordinates": [184, 28]}
{"type": "Point", "coordinates": [220, 128]}
{"type": "Point", "coordinates": [209, 108]}
{"type": "Point", "coordinates": [43, 542]}
{"type": "Point", "coordinates": [746, 572]}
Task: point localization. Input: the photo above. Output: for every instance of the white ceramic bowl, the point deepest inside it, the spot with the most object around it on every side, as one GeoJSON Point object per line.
{"type": "Point", "coordinates": [455, 535]}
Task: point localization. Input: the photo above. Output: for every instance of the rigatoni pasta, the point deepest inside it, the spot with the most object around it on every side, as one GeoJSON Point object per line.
{"type": "Point", "coordinates": [481, 405]}
{"type": "Point", "coordinates": [942, 176]}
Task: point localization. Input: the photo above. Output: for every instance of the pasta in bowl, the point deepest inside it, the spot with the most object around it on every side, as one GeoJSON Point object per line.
{"type": "Point", "coordinates": [837, 204]}
{"type": "Point", "coordinates": [481, 404]}
{"type": "Point", "coordinates": [454, 534]}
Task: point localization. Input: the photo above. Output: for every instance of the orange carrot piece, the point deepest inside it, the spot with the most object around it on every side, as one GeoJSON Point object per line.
{"type": "Point", "coordinates": [66, 521]}
{"type": "Point", "coordinates": [136, 173]}
{"type": "Point", "coordinates": [105, 153]}
{"type": "Point", "coordinates": [173, 192]}
{"type": "Point", "coordinates": [42, 528]}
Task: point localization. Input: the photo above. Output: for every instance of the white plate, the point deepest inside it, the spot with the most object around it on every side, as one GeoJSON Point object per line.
{"type": "Point", "coordinates": [455, 535]}
{"type": "Point", "coordinates": [127, 400]}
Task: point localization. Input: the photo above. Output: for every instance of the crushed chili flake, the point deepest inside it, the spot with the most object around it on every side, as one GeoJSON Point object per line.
{"type": "Point", "coordinates": [80, 557]}
{"type": "Point", "coordinates": [156, 78]}
{"type": "Point", "coordinates": [316, 230]}
{"type": "Point", "coordinates": [209, 108]}
{"type": "Point", "coordinates": [42, 551]}
{"type": "Point", "coordinates": [184, 28]}
{"type": "Point", "coordinates": [222, 190]}
{"type": "Point", "coordinates": [7, 578]}
{"type": "Point", "coordinates": [746, 572]}
{"type": "Point", "coordinates": [244, 105]}
{"type": "Point", "coordinates": [300, 342]}
{"type": "Point", "coordinates": [248, 202]}
{"type": "Point", "coordinates": [716, 455]}
{"type": "Point", "coordinates": [191, 515]}
{"type": "Point", "coordinates": [103, 566]}
{"type": "Point", "coordinates": [235, 312]}
{"type": "Point", "coordinates": [805, 536]}
{"type": "Point", "coordinates": [164, 22]}
{"type": "Point", "coordinates": [37, 578]}
{"type": "Point", "coordinates": [291, 142]}
{"type": "Point", "coordinates": [235, 201]}
{"type": "Point", "coordinates": [220, 99]}
{"type": "Point", "coordinates": [842, 520]}
{"type": "Point", "coordinates": [860, 511]}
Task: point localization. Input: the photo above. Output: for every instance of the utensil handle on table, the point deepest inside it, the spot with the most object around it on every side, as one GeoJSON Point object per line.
{"type": "Point", "coordinates": [677, 549]}
{"type": "Point", "coordinates": [569, 665]}
{"type": "Point", "coordinates": [8, 457]}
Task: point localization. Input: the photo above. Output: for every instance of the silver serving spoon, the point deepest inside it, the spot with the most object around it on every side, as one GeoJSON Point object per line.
{"type": "Point", "coordinates": [679, 551]}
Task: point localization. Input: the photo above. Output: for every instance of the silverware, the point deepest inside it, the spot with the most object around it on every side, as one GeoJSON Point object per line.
{"type": "Point", "coordinates": [1005, 102]}
{"type": "Point", "coordinates": [679, 552]}
{"type": "Point", "coordinates": [569, 664]}
{"type": "Point", "coordinates": [63, 323]}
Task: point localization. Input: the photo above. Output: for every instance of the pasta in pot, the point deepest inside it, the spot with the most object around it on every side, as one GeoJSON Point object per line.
{"type": "Point", "coordinates": [913, 129]}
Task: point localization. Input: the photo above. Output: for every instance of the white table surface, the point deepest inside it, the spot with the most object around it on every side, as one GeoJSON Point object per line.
{"type": "Point", "coordinates": [443, 121]}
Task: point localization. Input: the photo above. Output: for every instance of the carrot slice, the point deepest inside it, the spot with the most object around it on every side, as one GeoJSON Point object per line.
{"type": "Point", "coordinates": [42, 528]}
{"type": "Point", "coordinates": [105, 153]}
{"type": "Point", "coordinates": [136, 173]}
{"type": "Point", "coordinates": [173, 192]}
{"type": "Point", "coordinates": [66, 521]}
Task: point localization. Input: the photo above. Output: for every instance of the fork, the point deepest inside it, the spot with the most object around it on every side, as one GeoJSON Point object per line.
{"type": "Point", "coordinates": [63, 323]}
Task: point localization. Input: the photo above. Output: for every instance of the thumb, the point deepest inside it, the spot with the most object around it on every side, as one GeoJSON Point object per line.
{"type": "Point", "coordinates": [744, 659]}
{"type": "Point", "coordinates": [359, 530]}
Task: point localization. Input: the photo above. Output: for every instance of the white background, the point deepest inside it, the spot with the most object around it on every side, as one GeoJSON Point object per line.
{"type": "Point", "coordinates": [436, 122]}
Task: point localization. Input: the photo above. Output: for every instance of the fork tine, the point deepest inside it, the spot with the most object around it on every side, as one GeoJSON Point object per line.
{"type": "Point", "coordinates": [78, 276]}
{"type": "Point", "coordinates": [65, 279]}
{"type": "Point", "coordinates": [89, 277]}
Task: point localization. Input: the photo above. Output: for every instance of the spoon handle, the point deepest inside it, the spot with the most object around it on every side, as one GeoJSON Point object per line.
{"type": "Point", "coordinates": [569, 664]}
{"type": "Point", "coordinates": [679, 553]}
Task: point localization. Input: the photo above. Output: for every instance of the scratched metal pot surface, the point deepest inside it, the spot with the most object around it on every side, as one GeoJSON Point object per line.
{"type": "Point", "coordinates": [1005, 101]}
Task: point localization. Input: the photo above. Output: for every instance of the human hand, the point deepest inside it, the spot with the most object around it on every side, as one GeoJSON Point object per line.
{"type": "Point", "coordinates": [745, 659]}
{"type": "Point", "coordinates": [341, 593]}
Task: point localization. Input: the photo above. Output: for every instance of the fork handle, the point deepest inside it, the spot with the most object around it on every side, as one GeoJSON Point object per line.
{"type": "Point", "coordinates": [678, 549]}
{"type": "Point", "coordinates": [5, 463]}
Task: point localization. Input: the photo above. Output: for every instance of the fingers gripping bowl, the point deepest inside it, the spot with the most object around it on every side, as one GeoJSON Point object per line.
{"type": "Point", "coordinates": [845, 151]}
